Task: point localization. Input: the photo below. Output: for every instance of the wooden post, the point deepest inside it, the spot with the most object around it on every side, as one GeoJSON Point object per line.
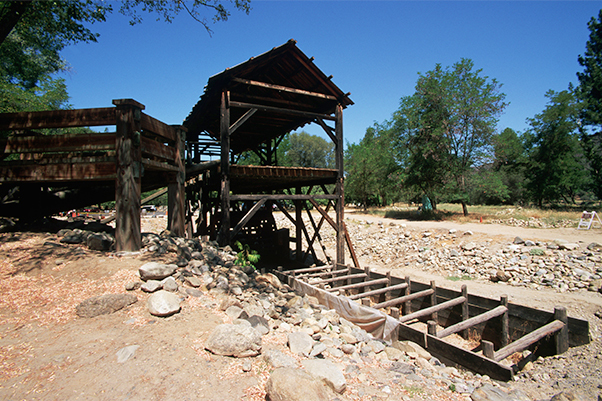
{"type": "Point", "coordinates": [176, 198]}
{"type": "Point", "coordinates": [128, 115]}
{"type": "Point", "coordinates": [465, 313]}
{"type": "Point", "coordinates": [562, 336]}
{"type": "Point", "coordinates": [298, 226]}
{"type": "Point", "coordinates": [407, 306]}
{"type": "Point", "coordinates": [431, 327]}
{"type": "Point", "coordinates": [224, 229]}
{"type": "Point", "coordinates": [434, 299]}
{"type": "Point", "coordinates": [394, 313]}
{"type": "Point", "coordinates": [488, 350]}
{"type": "Point", "coordinates": [505, 340]}
{"type": "Point", "coordinates": [340, 206]}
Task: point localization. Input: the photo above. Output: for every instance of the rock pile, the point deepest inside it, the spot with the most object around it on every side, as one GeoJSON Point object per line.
{"type": "Point", "coordinates": [323, 352]}
{"type": "Point", "coordinates": [557, 264]}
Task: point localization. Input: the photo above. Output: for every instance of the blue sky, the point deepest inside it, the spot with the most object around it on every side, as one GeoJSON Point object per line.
{"type": "Point", "coordinates": [374, 49]}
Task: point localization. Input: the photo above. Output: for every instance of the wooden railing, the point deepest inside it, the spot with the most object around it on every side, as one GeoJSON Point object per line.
{"type": "Point", "coordinates": [139, 143]}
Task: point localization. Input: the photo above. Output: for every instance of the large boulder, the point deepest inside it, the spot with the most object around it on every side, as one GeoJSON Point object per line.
{"type": "Point", "coordinates": [104, 304]}
{"type": "Point", "coordinates": [238, 340]}
{"type": "Point", "coordinates": [326, 371]}
{"type": "Point", "coordinates": [290, 384]}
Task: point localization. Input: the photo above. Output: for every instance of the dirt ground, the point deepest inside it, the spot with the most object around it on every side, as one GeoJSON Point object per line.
{"type": "Point", "coordinates": [47, 353]}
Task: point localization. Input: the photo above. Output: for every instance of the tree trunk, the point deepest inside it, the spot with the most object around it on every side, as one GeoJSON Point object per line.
{"type": "Point", "coordinates": [464, 208]}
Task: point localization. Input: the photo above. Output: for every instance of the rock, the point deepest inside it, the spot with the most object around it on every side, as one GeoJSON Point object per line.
{"type": "Point", "coordinates": [403, 368]}
{"type": "Point", "coordinates": [300, 343]}
{"type": "Point", "coordinates": [259, 323]}
{"type": "Point", "coordinates": [193, 292]}
{"type": "Point", "coordinates": [409, 346]}
{"type": "Point", "coordinates": [518, 241]}
{"type": "Point", "coordinates": [269, 278]}
{"type": "Point", "coordinates": [163, 303]}
{"type": "Point", "coordinates": [328, 372]}
{"type": "Point", "coordinates": [73, 238]}
{"type": "Point", "coordinates": [348, 338]}
{"type": "Point", "coordinates": [233, 311]}
{"type": "Point", "coordinates": [376, 346]}
{"type": "Point", "coordinates": [133, 286]}
{"type": "Point", "coordinates": [393, 353]}
{"type": "Point", "coordinates": [568, 246]}
{"type": "Point", "coordinates": [468, 246]}
{"type": "Point", "coordinates": [151, 286]}
{"type": "Point", "coordinates": [156, 271]}
{"type": "Point", "coordinates": [104, 304]}
{"type": "Point", "coordinates": [99, 242]}
{"type": "Point", "coordinates": [193, 281]}
{"type": "Point", "coordinates": [489, 393]}
{"type": "Point", "coordinates": [278, 359]}
{"type": "Point", "coordinates": [126, 353]}
{"type": "Point", "coordinates": [236, 340]}
{"type": "Point", "coordinates": [594, 246]}
{"type": "Point", "coordinates": [290, 384]}
{"type": "Point", "coordinates": [348, 349]}
{"type": "Point", "coordinates": [170, 284]}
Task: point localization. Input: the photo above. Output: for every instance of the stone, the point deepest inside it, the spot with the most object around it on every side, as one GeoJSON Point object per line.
{"type": "Point", "coordinates": [328, 372]}
{"type": "Point", "coordinates": [126, 353]}
{"type": "Point", "coordinates": [236, 340]}
{"type": "Point", "coordinates": [156, 271]}
{"type": "Point", "coordinates": [300, 343]}
{"type": "Point", "coordinates": [489, 393]}
{"type": "Point", "coordinates": [259, 323]}
{"type": "Point", "coordinates": [163, 303]}
{"type": "Point", "coordinates": [567, 396]}
{"type": "Point", "coordinates": [393, 353]}
{"type": "Point", "coordinates": [278, 359]}
{"type": "Point", "coordinates": [104, 304]}
{"type": "Point", "coordinates": [376, 346]}
{"type": "Point", "coordinates": [290, 384]}
{"type": "Point", "coordinates": [233, 311]}
{"type": "Point", "coordinates": [568, 246]}
{"type": "Point", "coordinates": [409, 346]}
{"type": "Point", "coordinates": [403, 368]}
{"type": "Point", "coordinates": [269, 278]}
{"type": "Point", "coordinates": [99, 242]}
{"type": "Point", "coordinates": [151, 286]}
{"type": "Point", "coordinates": [170, 284]}
{"type": "Point", "coordinates": [193, 281]}
{"type": "Point", "coordinates": [133, 286]}
{"type": "Point", "coordinates": [518, 241]}
{"type": "Point", "coordinates": [348, 349]}
{"type": "Point", "coordinates": [348, 338]}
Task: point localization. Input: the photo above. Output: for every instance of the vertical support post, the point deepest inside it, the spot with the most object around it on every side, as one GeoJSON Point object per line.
{"type": "Point", "coordinates": [562, 336]}
{"type": "Point", "coordinates": [488, 350]}
{"type": "Point", "coordinates": [387, 295]}
{"type": "Point", "coordinates": [298, 226]}
{"type": "Point", "coordinates": [394, 313]}
{"type": "Point", "coordinates": [434, 299]}
{"type": "Point", "coordinates": [340, 206]}
{"type": "Point", "coordinates": [505, 340]}
{"type": "Point", "coordinates": [431, 327]}
{"type": "Point", "coordinates": [128, 115]}
{"type": "Point", "coordinates": [407, 306]}
{"type": "Point", "coordinates": [176, 198]}
{"type": "Point", "coordinates": [465, 313]}
{"type": "Point", "coordinates": [367, 278]}
{"type": "Point", "coordinates": [224, 132]}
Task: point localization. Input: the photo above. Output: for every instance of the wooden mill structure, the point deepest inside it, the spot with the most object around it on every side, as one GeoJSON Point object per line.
{"type": "Point", "coordinates": [251, 107]}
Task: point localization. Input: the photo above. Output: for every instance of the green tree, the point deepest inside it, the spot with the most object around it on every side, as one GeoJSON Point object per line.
{"type": "Point", "coordinates": [310, 151]}
{"type": "Point", "coordinates": [509, 164]}
{"type": "Point", "coordinates": [556, 165]}
{"type": "Point", "coordinates": [447, 126]}
{"type": "Point", "coordinates": [589, 93]}
{"type": "Point", "coordinates": [371, 169]}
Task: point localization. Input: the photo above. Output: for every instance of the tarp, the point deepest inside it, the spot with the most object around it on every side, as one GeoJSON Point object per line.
{"type": "Point", "coordinates": [375, 322]}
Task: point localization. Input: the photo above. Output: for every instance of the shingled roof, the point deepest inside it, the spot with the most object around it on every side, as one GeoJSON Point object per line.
{"type": "Point", "coordinates": [287, 85]}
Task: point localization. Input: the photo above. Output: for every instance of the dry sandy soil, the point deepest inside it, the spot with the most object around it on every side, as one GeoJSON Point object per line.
{"type": "Point", "coordinates": [47, 353]}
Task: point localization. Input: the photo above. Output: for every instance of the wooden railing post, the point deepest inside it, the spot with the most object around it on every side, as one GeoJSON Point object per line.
{"type": "Point", "coordinates": [176, 197]}
{"type": "Point", "coordinates": [223, 236]}
{"type": "Point", "coordinates": [128, 115]}
{"type": "Point", "coordinates": [339, 190]}
{"type": "Point", "coordinates": [562, 336]}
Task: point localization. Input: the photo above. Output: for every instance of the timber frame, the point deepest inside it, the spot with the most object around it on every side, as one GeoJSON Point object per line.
{"type": "Point", "coordinates": [250, 107]}
{"type": "Point", "coordinates": [141, 154]}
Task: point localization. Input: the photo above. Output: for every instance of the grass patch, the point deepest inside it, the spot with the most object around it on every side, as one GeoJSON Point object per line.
{"type": "Point", "coordinates": [459, 278]}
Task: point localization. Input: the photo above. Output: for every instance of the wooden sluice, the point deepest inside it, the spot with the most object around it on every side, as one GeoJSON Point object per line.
{"type": "Point", "coordinates": [493, 330]}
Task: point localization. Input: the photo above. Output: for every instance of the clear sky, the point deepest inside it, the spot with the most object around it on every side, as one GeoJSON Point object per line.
{"type": "Point", "coordinates": [374, 49]}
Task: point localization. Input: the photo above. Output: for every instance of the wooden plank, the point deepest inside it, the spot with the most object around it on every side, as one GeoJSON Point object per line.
{"type": "Point", "coordinates": [323, 213]}
{"type": "Point", "coordinates": [58, 143]}
{"type": "Point", "coordinates": [157, 127]}
{"type": "Point", "coordinates": [281, 88]}
{"type": "Point", "coordinates": [158, 149]}
{"type": "Point", "coordinates": [156, 165]}
{"type": "Point", "coordinates": [339, 278]}
{"type": "Point", "coordinates": [500, 310]}
{"type": "Point", "coordinates": [241, 120]}
{"type": "Point", "coordinates": [378, 291]}
{"type": "Point", "coordinates": [58, 119]}
{"type": "Point", "coordinates": [404, 299]}
{"type": "Point", "coordinates": [432, 309]}
{"type": "Point", "coordinates": [469, 359]}
{"type": "Point", "coordinates": [307, 114]}
{"type": "Point", "coordinates": [59, 172]}
{"type": "Point", "coordinates": [356, 261]}
{"type": "Point", "coordinates": [528, 340]}
{"type": "Point", "coordinates": [359, 285]}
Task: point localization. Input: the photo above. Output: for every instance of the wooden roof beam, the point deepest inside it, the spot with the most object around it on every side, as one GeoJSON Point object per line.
{"type": "Point", "coordinates": [284, 89]}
